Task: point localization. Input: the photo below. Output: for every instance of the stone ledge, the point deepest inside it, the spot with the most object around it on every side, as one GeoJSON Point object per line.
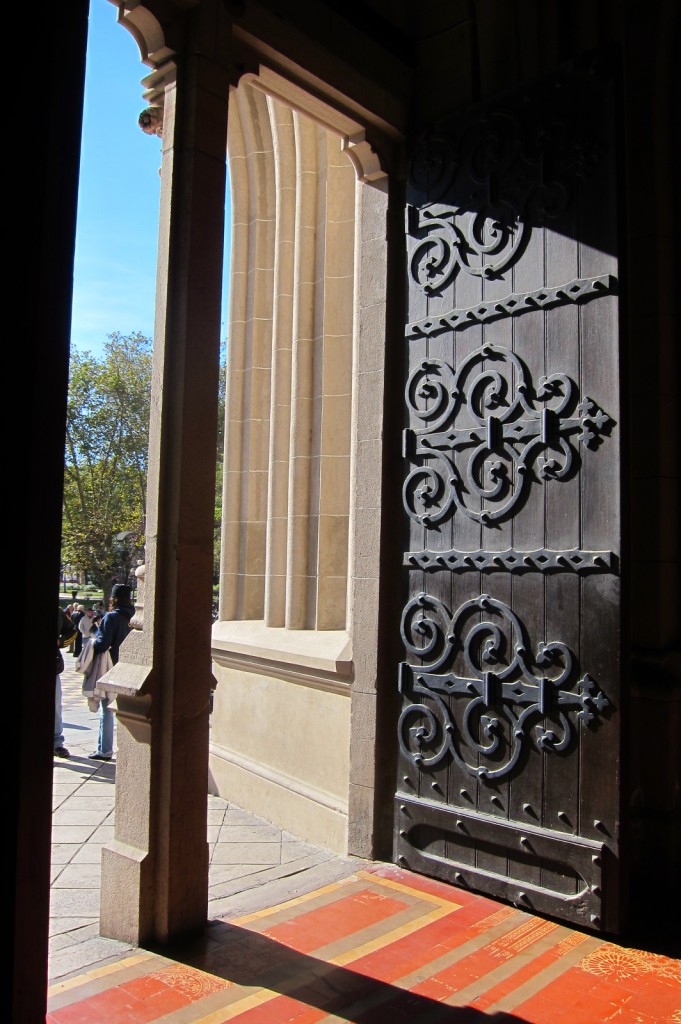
{"type": "Point", "coordinates": [320, 658]}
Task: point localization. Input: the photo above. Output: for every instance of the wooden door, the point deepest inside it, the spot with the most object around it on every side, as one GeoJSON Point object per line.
{"type": "Point", "coordinates": [508, 781]}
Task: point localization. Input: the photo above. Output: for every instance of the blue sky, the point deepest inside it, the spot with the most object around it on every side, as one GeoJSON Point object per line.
{"type": "Point", "coordinates": [118, 196]}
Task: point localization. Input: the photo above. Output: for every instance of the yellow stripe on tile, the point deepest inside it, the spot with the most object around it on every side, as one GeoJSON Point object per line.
{"type": "Point", "coordinates": [392, 936]}
{"type": "Point", "coordinates": [263, 995]}
{"type": "Point", "coordinates": [297, 901]}
{"type": "Point", "coordinates": [100, 972]}
{"type": "Point", "coordinates": [428, 897]}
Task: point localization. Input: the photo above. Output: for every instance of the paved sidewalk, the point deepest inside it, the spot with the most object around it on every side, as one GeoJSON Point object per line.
{"type": "Point", "coordinates": [253, 864]}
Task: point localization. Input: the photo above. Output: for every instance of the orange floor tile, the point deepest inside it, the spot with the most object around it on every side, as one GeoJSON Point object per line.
{"type": "Point", "coordinates": [381, 947]}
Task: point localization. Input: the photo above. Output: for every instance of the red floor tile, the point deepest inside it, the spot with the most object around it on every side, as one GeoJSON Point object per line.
{"type": "Point", "coordinates": [341, 918]}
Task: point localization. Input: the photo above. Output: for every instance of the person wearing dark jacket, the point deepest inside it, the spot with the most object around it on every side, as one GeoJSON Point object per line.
{"type": "Point", "coordinates": [111, 632]}
{"type": "Point", "coordinates": [76, 617]}
{"type": "Point", "coordinates": [63, 630]}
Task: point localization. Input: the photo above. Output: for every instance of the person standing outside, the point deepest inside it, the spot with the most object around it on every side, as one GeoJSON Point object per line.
{"type": "Point", "coordinates": [86, 625]}
{"type": "Point", "coordinates": [87, 628]}
{"type": "Point", "coordinates": [63, 628]}
{"type": "Point", "coordinates": [111, 633]}
{"type": "Point", "coordinates": [76, 617]}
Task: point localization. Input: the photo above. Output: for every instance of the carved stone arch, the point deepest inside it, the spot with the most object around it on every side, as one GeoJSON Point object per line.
{"type": "Point", "coordinates": [369, 164]}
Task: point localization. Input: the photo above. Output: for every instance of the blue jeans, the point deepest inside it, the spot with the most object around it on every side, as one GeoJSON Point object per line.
{"type": "Point", "coordinates": [106, 728]}
{"type": "Point", "coordinates": [58, 721]}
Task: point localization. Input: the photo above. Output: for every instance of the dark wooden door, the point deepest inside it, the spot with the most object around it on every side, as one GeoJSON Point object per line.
{"type": "Point", "coordinates": [510, 729]}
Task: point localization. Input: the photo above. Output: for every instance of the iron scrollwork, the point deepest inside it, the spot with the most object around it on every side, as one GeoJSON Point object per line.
{"type": "Point", "coordinates": [489, 460]}
{"type": "Point", "coordinates": [480, 242]}
{"type": "Point", "coordinates": [507, 175]}
{"type": "Point", "coordinates": [504, 688]}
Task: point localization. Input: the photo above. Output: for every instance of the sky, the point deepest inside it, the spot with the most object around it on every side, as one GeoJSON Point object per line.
{"type": "Point", "coordinates": [118, 196]}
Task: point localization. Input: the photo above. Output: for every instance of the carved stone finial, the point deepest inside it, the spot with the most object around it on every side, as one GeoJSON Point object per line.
{"type": "Point", "coordinates": [151, 121]}
{"type": "Point", "coordinates": [137, 621]}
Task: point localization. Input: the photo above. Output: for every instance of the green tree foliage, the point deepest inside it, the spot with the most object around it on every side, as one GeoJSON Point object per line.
{"type": "Point", "coordinates": [105, 475]}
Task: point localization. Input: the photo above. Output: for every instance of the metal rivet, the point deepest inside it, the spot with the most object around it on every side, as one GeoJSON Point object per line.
{"type": "Point", "coordinates": [562, 815]}
{"type": "Point", "coordinates": [463, 792]}
{"type": "Point", "coordinates": [403, 832]}
{"type": "Point", "coordinates": [496, 800]}
{"type": "Point", "coordinates": [595, 919]}
{"type": "Point", "coordinates": [595, 859]}
{"type": "Point", "coordinates": [527, 808]}
{"type": "Point", "coordinates": [524, 840]}
{"type": "Point", "coordinates": [403, 808]}
{"type": "Point", "coordinates": [596, 890]}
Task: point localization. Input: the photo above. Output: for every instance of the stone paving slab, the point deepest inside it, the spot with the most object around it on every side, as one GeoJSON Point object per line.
{"type": "Point", "coordinates": [252, 862]}
{"type": "Point", "coordinates": [81, 876]}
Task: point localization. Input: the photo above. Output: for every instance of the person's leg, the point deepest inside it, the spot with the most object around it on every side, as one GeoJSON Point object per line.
{"type": "Point", "coordinates": [106, 728]}
{"type": "Point", "coordinates": [59, 747]}
{"type": "Point", "coordinates": [58, 722]}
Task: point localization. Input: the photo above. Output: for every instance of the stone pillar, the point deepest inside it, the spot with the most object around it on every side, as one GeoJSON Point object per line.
{"type": "Point", "coordinates": [155, 872]}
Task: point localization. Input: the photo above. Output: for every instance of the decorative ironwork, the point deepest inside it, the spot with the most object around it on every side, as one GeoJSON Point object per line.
{"type": "Point", "coordinates": [579, 290]}
{"type": "Point", "coordinates": [540, 560]}
{"type": "Point", "coordinates": [503, 437]}
{"type": "Point", "coordinates": [562, 855]}
{"type": "Point", "coordinates": [480, 242]}
{"type": "Point", "coordinates": [433, 165]}
{"type": "Point", "coordinates": [505, 688]}
{"type": "Point", "coordinates": [507, 175]}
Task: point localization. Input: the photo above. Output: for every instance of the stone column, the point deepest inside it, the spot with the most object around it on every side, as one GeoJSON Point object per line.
{"type": "Point", "coordinates": [302, 384]}
{"type": "Point", "coordinates": [155, 872]}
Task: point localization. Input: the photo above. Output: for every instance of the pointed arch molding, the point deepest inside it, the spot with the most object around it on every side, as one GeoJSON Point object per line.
{"type": "Point", "coordinates": [361, 153]}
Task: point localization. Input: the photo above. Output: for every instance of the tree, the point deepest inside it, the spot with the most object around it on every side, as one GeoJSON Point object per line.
{"type": "Point", "coordinates": [105, 471]}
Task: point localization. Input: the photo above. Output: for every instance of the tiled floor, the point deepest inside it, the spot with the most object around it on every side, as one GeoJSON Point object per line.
{"type": "Point", "coordinates": [297, 935]}
{"type": "Point", "coordinates": [381, 946]}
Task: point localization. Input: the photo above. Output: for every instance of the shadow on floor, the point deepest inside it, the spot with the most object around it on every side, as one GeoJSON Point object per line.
{"type": "Point", "coordinates": [253, 960]}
